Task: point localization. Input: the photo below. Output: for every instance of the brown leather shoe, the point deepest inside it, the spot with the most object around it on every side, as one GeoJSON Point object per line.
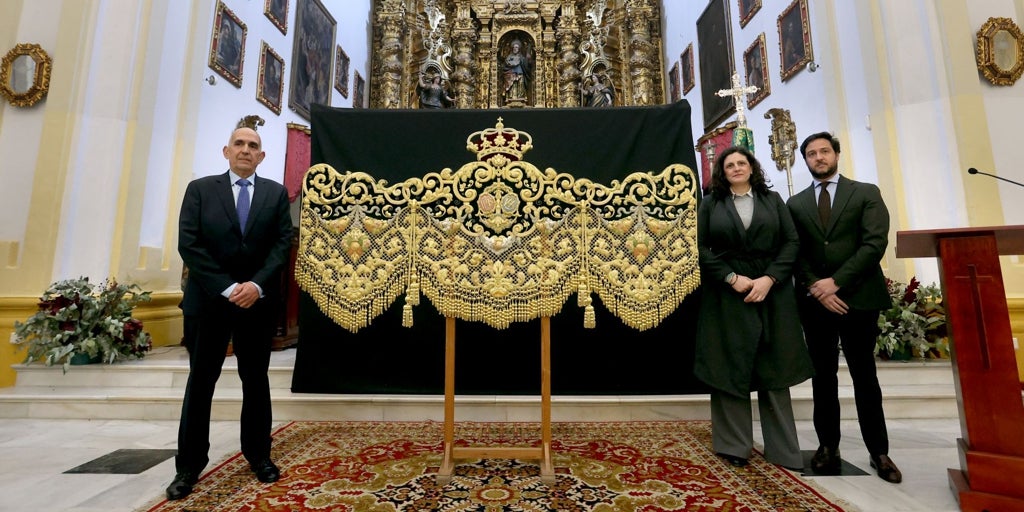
{"type": "Point", "coordinates": [826, 461]}
{"type": "Point", "coordinates": [887, 470]}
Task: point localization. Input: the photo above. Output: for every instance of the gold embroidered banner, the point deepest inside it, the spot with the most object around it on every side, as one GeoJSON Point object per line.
{"type": "Point", "coordinates": [498, 240]}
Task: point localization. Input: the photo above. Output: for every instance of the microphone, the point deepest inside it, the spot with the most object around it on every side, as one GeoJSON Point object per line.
{"type": "Point", "coordinates": [972, 170]}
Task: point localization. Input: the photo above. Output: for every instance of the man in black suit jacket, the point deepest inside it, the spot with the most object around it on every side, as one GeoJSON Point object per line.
{"type": "Point", "coordinates": [234, 277]}
{"type": "Point", "coordinates": [844, 231]}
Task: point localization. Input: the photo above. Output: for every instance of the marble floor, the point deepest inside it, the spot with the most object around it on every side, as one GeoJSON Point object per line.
{"type": "Point", "coordinates": [35, 454]}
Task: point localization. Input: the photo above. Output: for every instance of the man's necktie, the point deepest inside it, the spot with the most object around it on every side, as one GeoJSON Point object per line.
{"type": "Point", "coordinates": [824, 204]}
{"type": "Point", "coordinates": [242, 205]}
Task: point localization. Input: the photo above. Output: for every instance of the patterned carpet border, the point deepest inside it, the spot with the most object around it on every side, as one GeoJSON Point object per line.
{"type": "Point", "coordinates": [600, 467]}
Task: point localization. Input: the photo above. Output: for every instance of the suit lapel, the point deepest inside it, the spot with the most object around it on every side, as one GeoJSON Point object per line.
{"type": "Point", "coordinates": [806, 202]}
{"type": "Point", "coordinates": [734, 216]}
{"type": "Point", "coordinates": [259, 197]}
{"type": "Point", "coordinates": [844, 191]}
{"type": "Point", "coordinates": [227, 199]}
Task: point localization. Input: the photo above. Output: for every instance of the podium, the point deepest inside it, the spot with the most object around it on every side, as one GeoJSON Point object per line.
{"type": "Point", "coordinates": [991, 474]}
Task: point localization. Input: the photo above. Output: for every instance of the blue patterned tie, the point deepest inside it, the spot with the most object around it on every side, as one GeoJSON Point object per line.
{"type": "Point", "coordinates": [243, 202]}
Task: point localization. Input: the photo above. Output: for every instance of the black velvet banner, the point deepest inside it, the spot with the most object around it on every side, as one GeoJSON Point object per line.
{"type": "Point", "coordinates": [598, 144]}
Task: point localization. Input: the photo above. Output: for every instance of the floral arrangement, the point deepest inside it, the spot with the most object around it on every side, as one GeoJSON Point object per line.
{"type": "Point", "coordinates": [915, 325]}
{"type": "Point", "coordinates": [76, 318]}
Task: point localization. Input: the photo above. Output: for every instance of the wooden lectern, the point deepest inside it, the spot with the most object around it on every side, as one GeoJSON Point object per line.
{"type": "Point", "coordinates": [991, 474]}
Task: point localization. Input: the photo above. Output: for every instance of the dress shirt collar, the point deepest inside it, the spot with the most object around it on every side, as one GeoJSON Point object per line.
{"type": "Point", "coordinates": [234, 178]}
{"type": "Point", "coordinates": [833, 180]}
{"type": "Point", "coordinates": [749, 193]}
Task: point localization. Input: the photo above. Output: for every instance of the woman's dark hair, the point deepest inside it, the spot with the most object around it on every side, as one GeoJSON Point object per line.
{"type": "Point", "coordinates": [719, 183]}
{"type": "Point", "coordinates": [820, 135]}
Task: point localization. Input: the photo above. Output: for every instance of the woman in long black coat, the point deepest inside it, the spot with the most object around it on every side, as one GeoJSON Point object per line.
{"type": "Point", "coordinates": [748, 332]}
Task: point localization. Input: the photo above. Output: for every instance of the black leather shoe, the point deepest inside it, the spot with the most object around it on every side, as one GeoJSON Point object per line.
{"type": "Point", "coordinates": [887, 470]}
{"type": "Point", "coordinates": [266, 471]}
{"type": "Point", "coordinates": [181, 486]}
{"type": "Point", "coordinates": [738, 462]}
{"type": "Point", "coordinates": [826, 461]}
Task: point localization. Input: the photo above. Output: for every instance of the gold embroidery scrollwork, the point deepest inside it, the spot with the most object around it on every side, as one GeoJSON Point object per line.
{"type": "Point", "coordinates": [498, 241]}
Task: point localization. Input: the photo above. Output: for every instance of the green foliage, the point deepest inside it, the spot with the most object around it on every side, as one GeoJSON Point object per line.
{"type": "Point", "coordinates": [916, 321]}
{"type": "Point", "coordinates": [76, 317]}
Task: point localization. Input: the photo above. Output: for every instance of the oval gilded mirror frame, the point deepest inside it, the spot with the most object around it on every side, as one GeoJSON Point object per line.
{"type": "Point", "coordinates": [24, 83]}
{"type": "Point", "coordinates": [1000, 51]}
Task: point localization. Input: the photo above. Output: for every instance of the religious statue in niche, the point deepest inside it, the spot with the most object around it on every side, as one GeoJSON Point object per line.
{"type": "Point", "coordinates": [598, 91]}
{"type": "Point", "coordinates": [432, 92]}
{"type": "Point", "coordinates": [516, 71]}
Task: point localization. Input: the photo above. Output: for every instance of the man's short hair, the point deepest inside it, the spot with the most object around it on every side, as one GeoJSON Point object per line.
{"type": "Point", "coordinates": [820, 135]}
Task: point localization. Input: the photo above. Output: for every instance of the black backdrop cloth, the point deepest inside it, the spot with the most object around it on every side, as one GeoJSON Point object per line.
{"type": "Point", "coordinates": [613, 359]}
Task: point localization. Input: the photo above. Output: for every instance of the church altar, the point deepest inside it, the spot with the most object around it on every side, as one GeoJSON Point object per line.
{"type": "Point", "coordinates": [498, 243]}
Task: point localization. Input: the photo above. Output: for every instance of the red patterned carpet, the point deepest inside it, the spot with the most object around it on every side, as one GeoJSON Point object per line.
{"type": "Point", "coordinates": [601, 467]}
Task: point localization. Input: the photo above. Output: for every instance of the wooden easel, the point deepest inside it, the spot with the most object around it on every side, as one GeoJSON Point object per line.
{"type": "Point", "coordinates": [453, 453]}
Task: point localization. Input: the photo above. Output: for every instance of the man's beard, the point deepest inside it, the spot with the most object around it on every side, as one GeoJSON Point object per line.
{"type": "Point", "coordinates": [827, 174]}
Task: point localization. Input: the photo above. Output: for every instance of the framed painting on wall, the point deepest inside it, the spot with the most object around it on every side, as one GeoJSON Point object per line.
{"type": "Point", "coordinates": [755, 63]}
{"type": "Point", "coordinates": [227, 47]}
{"type": "Point", "coordinates": [673, 83]}
{"type": "Point", "coordinates": [277, 12]}
{"type": "Point", "coordinates": [271, 79]}
{"type": "Point", "coordinates": [341, 71]}
{"type": "Point", "coordinates": [312, 57]}
{"type": "Point", "coordinates": [686, 63]}
{"type": "Point", "coordinates": [748, 8]}
{"type": "Point", "coordinates": [795, 49]}
{"type": "Point", "coordinates": [714, 46]}
{"type": "Point", "coordinates": [358, 89]}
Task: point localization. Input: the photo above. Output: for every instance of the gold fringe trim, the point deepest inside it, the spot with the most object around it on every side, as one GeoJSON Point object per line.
{"type": "Point", "coordinates": [498, 242]}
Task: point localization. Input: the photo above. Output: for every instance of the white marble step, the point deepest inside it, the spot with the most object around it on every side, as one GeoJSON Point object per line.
{"type": "Point", "coordinates": [168, 367]}
{"type": "Point", "coordinates": [152, 389]}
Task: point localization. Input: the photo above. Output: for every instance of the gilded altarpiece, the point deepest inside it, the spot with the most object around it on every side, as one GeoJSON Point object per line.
{"type": "Point", "coordinates": [516, 53]}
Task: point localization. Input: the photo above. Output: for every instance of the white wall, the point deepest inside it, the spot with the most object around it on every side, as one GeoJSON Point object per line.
{"type": "Point", "coordinates": [886, 86]}
{"type": "Point", "coordinates": [1004, 108]}
{"type": "Point", "coordinates": [803, 94]}
{"type": "Point", "coordinates": [222, 104]}
{"type": "Point", "coordinates": [21, 128]}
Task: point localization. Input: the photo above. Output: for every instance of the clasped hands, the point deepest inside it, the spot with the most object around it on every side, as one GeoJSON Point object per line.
{"type": "Point", "coordinates": [756, 289]}
{"type": "Point", "coordinates": [244, 295]}
{"type": "Point", "coordinates": [825, 291]}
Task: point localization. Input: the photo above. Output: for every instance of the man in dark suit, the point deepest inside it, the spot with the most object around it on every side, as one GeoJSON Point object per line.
{"type": "Point", "coordinates": [234, 232]}
{"type": "Point", "coordinates": [844, 229]}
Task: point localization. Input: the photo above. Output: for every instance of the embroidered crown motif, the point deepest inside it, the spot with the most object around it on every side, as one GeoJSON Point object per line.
{"type": "Point", "coordinates": [508, 142]}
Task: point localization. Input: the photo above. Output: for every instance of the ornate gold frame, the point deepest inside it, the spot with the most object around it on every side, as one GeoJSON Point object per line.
{"type": "Point", "coordinates": [765, 87]}
{"type": "Point", "coordinates": [218, 45]}
{"type": "Point", "coordinates": [747, 9]}
{"type": "Point", "coordinates": [266, 52]}
{"type": "Point", "coordinates": [40, 80]}
{"type": "Point", "coordinates": [792, 41]}
{"type": "Point", "coordinates": [993, 54]}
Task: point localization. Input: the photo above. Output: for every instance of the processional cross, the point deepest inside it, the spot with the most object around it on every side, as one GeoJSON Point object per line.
{"type": "Point", "coordinates": [739, 92]}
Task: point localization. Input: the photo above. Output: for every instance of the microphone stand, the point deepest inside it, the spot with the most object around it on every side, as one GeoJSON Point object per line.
{"type": "Point", "coordinates": [972, 170]}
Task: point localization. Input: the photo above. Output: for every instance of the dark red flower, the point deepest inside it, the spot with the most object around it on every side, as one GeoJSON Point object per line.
{"type": "Point", "coordinates": [132, 328]}
{"type": "Point", "coordinates": [55, 304]}
{"type": "Point", "coordinates": [911, 294]}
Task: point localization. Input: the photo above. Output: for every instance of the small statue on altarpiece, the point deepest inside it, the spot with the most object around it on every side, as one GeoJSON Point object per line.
{"type": "Point", "coordinates": [432, 92]}
{"type": "Point", "coordinates": [598, 91]}
{"type": "Point", "coordinates": [517, 73]}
